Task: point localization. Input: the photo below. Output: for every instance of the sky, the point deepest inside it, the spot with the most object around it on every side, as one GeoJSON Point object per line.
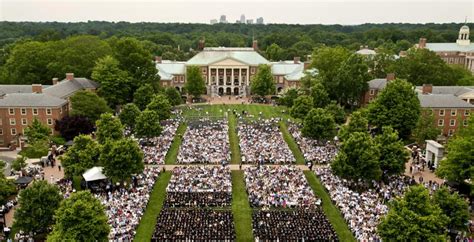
{"type": "Point", "coordinates": [349, 12]}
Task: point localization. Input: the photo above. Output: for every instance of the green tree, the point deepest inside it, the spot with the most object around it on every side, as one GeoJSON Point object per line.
{"type": "Point", "coordinates": [129, 114]}
{"type": "Point", "coordinates": [393, 154]}
{"type": "Point", "coordinates": [89, 105]}
{"type": "Point", "coordinates": [397, 106]}
{"type": "Point", "coordinates": [262, 83]}
{"type": "Point", "coordinates": [337, 112]}
{"type": "Point", "coordinates": [121, 159]}
{"type": "Point", "coordinates": [301, 107]}
{"type": "Point", "coordinates": [426, 128]}
{"type": "Point", "coordinates": [274, 52]}
{"type": "Point", "coordinates": [160, 104]}
{"type": "Point", "coordinates": [115, 84]}
{"type": "Point", "coordinates": [320, 95]}
{"type": "Point", "coordinates": [36, 149]}
{"type": "Point", "coordinates": [319, 124]}
{"type": "Point", "coordinates": [459, 163]}
{"type": "Point", "coordinates": [358, 158]}
{"type": "Point", "coordinates": [357, 123]}
{"type": "Point", "coordinates": [136, 60]}
{"type": "Point", "coordinates": [173, 95]}
{"type": "Point", "coordinates": [37, 204]}
{"type": "Point", "coordinates": [109, 127]}
{"type": "Point", "coordinates": [148, 124]}
{"type": "Point", "coordinates": [328, 60]}
{"type": "Point", "coordinates": [288, 97]}
{"type": "Point", "coordinates": [80, 218]}
{"type": "Point", "coordinates": [351, 80]}
{"type": "Point", "coordinates": [381, 64]}
{"type": "Point", "coordinates": [37, 131]}
{"type": "Point", "coordinates": [422, 66]}
{"type": "Point", "coordinates": [143, 96]}
{"type": "Point", "coordinates": [413, 217]}
{"type": "Point", "coordinates": [194, 85]}
{"type": "Point", "coordinates": [454, 207]}
{"type": "Point", "coordinates": [82, 155]}
{"type": "Point", "coordinates": [19, 163]}
{"type": "Point", "coordinates": [7, 188]}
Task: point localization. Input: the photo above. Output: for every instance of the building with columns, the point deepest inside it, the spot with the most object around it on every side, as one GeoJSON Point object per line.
{"type": "Point", "coordinates": [229, 71]}
{"type": "Point", "coordinates": [460, 53]}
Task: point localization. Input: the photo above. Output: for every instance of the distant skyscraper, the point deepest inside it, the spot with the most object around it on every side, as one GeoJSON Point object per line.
{"type": "Point", "coordinates": [249, 21]}
{"type": "Point", "coordinates": [260, 20]}
{"type": "Point", "coordinates": [223, 19]}
{"type": "Point", "coordinates": [213, 21]}
{"type": "Point", "coordinates": [242, 18]}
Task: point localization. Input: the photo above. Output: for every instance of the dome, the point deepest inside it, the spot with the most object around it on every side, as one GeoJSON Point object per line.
{"type": "Point", "coordinates": [464, 27]}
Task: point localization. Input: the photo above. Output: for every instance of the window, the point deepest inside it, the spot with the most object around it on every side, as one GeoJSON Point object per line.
{"type": "Point", "coordinates": [50, 121]}
{"type": "Point", "coordinates": [24, 121]}
{"type": "Point", "coordinates": [372, 92]}
{"type": "Point", "coordinates": [1, 131]}
{"type": "Point", "coordinates": [13, 131]}
{"type": "Point", "coordinates": [11, 111]}
{"type": "Point", "coordinates": [371, 99]}
{"type": "Point", "coordinates": [52, 131]}
{"type": "Point", "coordinates": [12, 121]}
{"type": "Point", "coordinates": [441, 112]}
{"type": "Point", "coordinates": [252, 70]}
{"type": "Point", "coordinates": [452, 122]}
{"type": "Point", "coordinates": [440, 122]}
{"type": "Point", "coordinates": [23, 111]}
{"type": "Point", "coordinates": [464, 122]}
{"type": "Point", "coordinates": [35, 111]}
{"type": "Point", "coordinates": [453, 112]}
{"type": "Point", "coordinates": [450, 132]}
{"type": "Point", "coordinates": [466, 112]}
{"type": "Point", "coordinates": [49, 111]}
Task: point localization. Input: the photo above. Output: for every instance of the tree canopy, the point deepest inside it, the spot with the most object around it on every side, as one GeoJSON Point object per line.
{"type": "Point", "coordinates": [319, 124]}
{"type": "Point", "coordinates": [129, 114]}
{"type": "Point", "coordinates": [393, 154]}
{"type": "Point", "coordinates": [320, 95]}
{"type": "Point", "coordinates": [160, 104]}
{"type": "Point", "coordinates": [301, 107]}
{"type": "Point", "coordinates": [454, 207]}
{"type": "Point", "coordinates": [71, 126]}
{"type": "Point", "coordinates": [143, 95]}
{"type": "Point", "coordinates": [426, 128]}
{"type": "Point", "coordinates": [109, 127]}
{"type": "Point", "coordinates": [82, 155]}
{"type": "Point", "coordinates": [81, 217]}
{"type": "Point", "coordinates": [148, 124]}
{"type": "Point", "coordinates": [413, 217]}
{"type": "Point", "coordinates": [37, 131]}
{"type": "Point", "coordinates": [173, 95]}
{"type": "Point", "coordinates": [397, 106]}
{"type": "Point", "coordinates": [262, 83]}
{"type": "Point", "coordinates": [89, 105]}
{"type": "Point", "coordinates": [194, 85]}
{"type": "Point", "coordinates": [121, 159]}
{"type": "Point", "coordinates": [351, 80]}
{"type": "Point", "coordinates": [357, 123]}
{"type": "Point", "coordinates": [37, 204]}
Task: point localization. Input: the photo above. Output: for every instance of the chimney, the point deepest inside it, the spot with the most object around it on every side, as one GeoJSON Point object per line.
{"type": "Point", "coordinates": [422, 43]}
{"type": "Point", "coordinates": [202, 44]}
{"type": "Point", "coordinates": [36, 88]}
{"type": "Point", "coordinates": [296, 59]}
{"type": "Point", "coordinates": [390, 76]}
{"type": "Point", "coordinates": [69, 76]}
{"type": "Point", "coordinates": [55, 81]}
{"type": "Point", "coordinates": [427, 88]}
{"type": "Point", "coordinates": [255, 45]}
{"type": "Point", "coordinates": [157, 59]}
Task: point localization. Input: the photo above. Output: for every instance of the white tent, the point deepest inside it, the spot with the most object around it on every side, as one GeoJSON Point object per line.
{"type": "Point", "coordinates": [94, 174]}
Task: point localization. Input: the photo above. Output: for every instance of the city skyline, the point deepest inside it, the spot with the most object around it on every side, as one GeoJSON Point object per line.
{"type": "Point", "coordinates": [191, 11]}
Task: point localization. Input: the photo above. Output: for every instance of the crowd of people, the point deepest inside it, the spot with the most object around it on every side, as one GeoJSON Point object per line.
{"type": "Point", "coordinates": [125, 205]}
{"type": "Point", "coordinates": [199, 186]}
{"type": "Point", "coordinates": [278, 186]}
{"type": "Point", "coordinates": [362, 211]}
{"type": "Point", "coordinates": [313, 150]}
{"type": "Point", "coordinates": [205, 141]}
{"type": "Point", "coordinates": [262, 142]}
{"type": "Point", "coordinates": [155, 149]}
{"type": "Point", "coordinates": [194, 225]}
{"type": "Point", "coordinates": [293, 225]}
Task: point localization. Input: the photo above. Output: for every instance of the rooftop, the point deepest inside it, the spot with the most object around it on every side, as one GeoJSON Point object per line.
{"type": "Point", "coordinates": [440, 47]}
{"type": "Point", "coordinates": [378, 83]}
{"type": "Point", "coordinates": [66, 88]}
{"type": "Point", "coordinates": [31, 100]}
{"type": "Point", "coordinates": [211, 55]}
{"type": "Point", "coordinates": [442, 101]}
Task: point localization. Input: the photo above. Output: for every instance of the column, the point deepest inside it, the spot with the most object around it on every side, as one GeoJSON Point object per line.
{"type": "Point", "coordinates": [225, 80]}
{"type": "Point", "coordinates": [240, 77]}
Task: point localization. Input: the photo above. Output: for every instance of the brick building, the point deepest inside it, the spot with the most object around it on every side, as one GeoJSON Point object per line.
{"type": "Point", "coordinates": [229, 71]}
{"type": "Point", "coordinates": [21, 104]}
{"type": "Point", "coordinates": [375, 86]}
{"type": "Point", "coordinates": [460, 53]}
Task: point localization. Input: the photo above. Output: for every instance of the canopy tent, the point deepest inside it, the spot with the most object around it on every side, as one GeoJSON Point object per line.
{"type": "Point", "coordinates": [94, 174]}
{"type": "Point", "coordinates": [24, 180]}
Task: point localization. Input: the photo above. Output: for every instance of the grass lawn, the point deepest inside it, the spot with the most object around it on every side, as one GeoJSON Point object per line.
{"type": "Point", "coordinates": [292, 144]}
{"type": "Point", "coordinates": [172, 153]}
{"type": "Point", "coordinates": [157, 197]}
{"type": "Point", "coordinates": [219, 110]}
{"type": "Point", "coordinates": [234, 140]}
{"type": "Point", "coordinates": [241, 208]}
{"type": "Point", "coordinates": [332, 212]}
